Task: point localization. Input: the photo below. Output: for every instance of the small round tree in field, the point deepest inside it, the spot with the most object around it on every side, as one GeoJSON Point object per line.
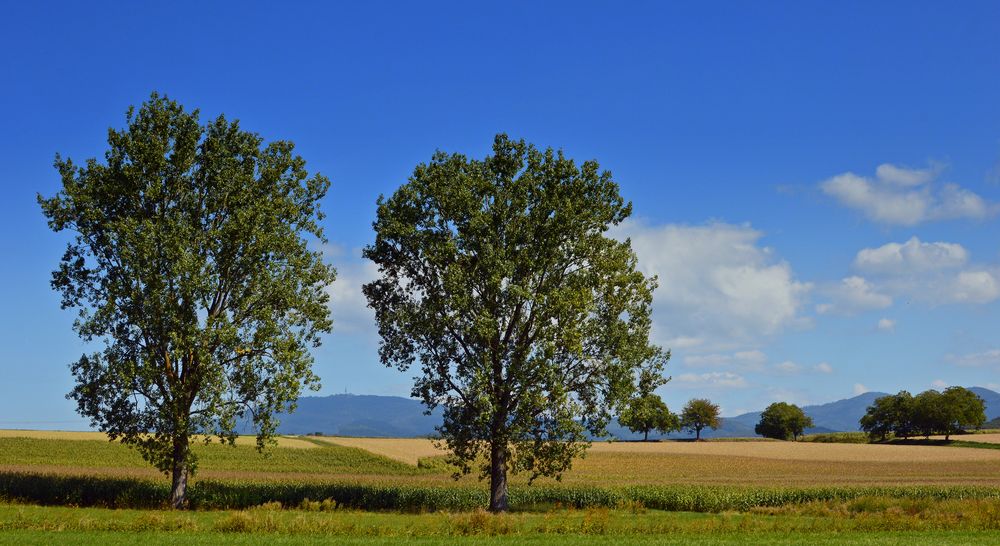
{"type": "Point", "coordinates": [783, 421]}
{"type": "Point", "coordinates": [699, 414]}
{"type": "Point", "coordinates": [646, 413]}
{"type": "Point", "coordinates": [189, 261]}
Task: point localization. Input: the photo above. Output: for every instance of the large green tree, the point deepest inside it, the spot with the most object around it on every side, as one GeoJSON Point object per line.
{"type": "Point", "coordinates": [698, 414]}
{"type": "Point", "coordinates": [783, 421]}
{"type": "Point", "coordinates": [189, 260]}
{"type": "Point", "coordinates": [529, 324]}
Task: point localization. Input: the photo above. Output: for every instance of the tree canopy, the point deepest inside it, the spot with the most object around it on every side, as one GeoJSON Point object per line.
{"type": "Point", "coordinates": [783, 421]}
{"type": "Point", "coordinates": [699, 414]}
{"type": "Point", "coordinates": [647, 412]}
{"type": "Point", "coordinates": [930, 412]}
{"type": "Point", "coordinates": [528, 323]}
{"type": "Point", "coordinates": [189, 260]}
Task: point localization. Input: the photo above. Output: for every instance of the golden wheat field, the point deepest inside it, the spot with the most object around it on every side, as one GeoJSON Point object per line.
{"type": "Point", "coordinates": [986, 438]}
{"type": "Point", "coordinates": [617, 463]}
{"type": "Point", "coordinates": [412, 449]}
{"type": "Point", "coordinates": [751, 462]}
{"type": "Point", "coordinates": [407, 450]}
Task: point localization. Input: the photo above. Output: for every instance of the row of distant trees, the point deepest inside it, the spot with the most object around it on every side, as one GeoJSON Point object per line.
{"type": "Point", "coordinates": [902, 415]}
{"type": "Point", "coordinates": [931, 412]}
{"type": "Point", "coordinates": [647, 412]}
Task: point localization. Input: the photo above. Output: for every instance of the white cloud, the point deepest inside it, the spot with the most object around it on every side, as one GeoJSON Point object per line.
{"type": "Point", "coordinates": [823, 367]}
{"type": "Point", "coordinates": [973, 287]}
{"type": "Point", "coordinates": [939, 384]}
{"type": "Point", "coordinates": [787, 367]}
{"type": "Point", "coordinates": [852, 295]}
{"type": "Point", "coordinates": [711, 380]}
{"type": "Point", "coordinates": [684, 342]}
{"type": "Point", "coordinates": [903, 176]}
{"type": "Point", "coordinates": [913, 255]}
{"type": "Point", "coordinates": [936, 273]}
{"type": "Point", "coordinates": [859, 389]}
{"type": "Point", "coordinates": [985, 358]}
{"type": "Point", "coordinates": [741, 360]}
{"type": "Point", "coordinates": [717, 283]}
{"type": "Point", "coordinates": [901, 196]}
{"type": "Point", "coordinates": [886, 325]}
{"type": "Point", "coordinates": [348, 304]}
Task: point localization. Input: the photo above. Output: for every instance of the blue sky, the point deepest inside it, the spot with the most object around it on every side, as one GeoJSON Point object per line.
{"type": "Point", "coordinates": [816, 184]}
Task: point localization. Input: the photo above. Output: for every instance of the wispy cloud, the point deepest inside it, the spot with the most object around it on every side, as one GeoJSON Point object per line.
{"type": "Point", "coordinates": [906, 197]}
{"type": "Point", "coordinates": [886, 325]}
{"type": "Point", "coordinates": [976, 360]}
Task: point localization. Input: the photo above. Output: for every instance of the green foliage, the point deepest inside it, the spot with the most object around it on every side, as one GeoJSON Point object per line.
{"type": "Point", "coordinates": [528, 323]}
{"type": "Point", "coordinates": [930, 412]}
{"type": "Point", "coordinates": [646, 413]}
{"type": "Point", "coordinates": [871, 520]}
{"type": "Point", "coordinates": [700, 413]}
{"type": "Point", "coordinates": [189, 261]}
{"type": "Point", "coordinates": [782, 421]}
{"type": "Point", "coordinates": [837, 438]}
{"type": "Point", "coordinates": [887, 415]}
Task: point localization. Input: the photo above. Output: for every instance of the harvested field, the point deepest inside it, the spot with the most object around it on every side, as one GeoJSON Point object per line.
{"type": "Point", "coordinates": [412, 449]}
{"type": "Point", "coordinates": [283, 441]}
{"type": "Point", "coordinates": [387, 460]}
{"type": "Point", "coordinates": [802, 451]}
{"type": "Point", "coordinates": [986, 438]}
{"type": "Point", "coordinates": [747, 463]}
{"type": "Point", "coordinates": [407, 450]}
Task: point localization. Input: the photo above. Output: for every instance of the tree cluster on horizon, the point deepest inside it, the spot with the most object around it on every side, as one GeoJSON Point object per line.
{"type": "Point", "coordinates": [903, 415]}
{"type": "Point", "coordinates": [783, 421]}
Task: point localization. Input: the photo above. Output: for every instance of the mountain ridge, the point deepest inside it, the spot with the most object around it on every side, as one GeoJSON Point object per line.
{"type": "Point", "coordinates": [398, 417]}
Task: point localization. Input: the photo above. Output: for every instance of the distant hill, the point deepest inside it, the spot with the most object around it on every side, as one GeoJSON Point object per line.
{"type": "Point", "coordinates": [360, 415]}
{"type": "Point", "coordinates": [839, 416]}
{"type": "Point", "coordinates": [398, 417]}
{"type": "Point", "coordinates": [992, 400]}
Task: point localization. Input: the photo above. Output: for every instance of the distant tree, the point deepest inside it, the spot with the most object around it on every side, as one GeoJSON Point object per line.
{"type": "Point", "coordinates": [646, 413]}
{"type": "Point", "coordinates": [782, 421]}
{"type": "Point", "coordinates": [528, 322]}
{"type": "Point", "coordinates": [963, 410]}
{"type": "Point", "coordinates": [190, 262]}
{"type": "Point", "coordinates": [699, 414]}
{"type": "Point", "coordinates": [929, 413]}
{"type": "Point", "coordinates": [892, 414]}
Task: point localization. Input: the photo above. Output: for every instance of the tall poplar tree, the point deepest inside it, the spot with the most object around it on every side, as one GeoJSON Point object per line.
{"type": "Point", "coordinates": [189, 260]}
{"type": "Point", "coordinates": [527, 322]}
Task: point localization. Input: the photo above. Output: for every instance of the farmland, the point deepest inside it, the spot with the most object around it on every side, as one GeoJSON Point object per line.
{"type": "Point", "coordinates": [311, 487]}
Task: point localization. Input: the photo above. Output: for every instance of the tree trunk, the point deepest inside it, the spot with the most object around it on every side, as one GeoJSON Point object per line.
{"type": "Point", "coordinates": [697, 434]}
{"type": "Point", "coordinates": [498, 478]}
{"type": "Point", "coordinates": [645, 437]}
{"type": "Point", "coordinates": [178, 491]}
